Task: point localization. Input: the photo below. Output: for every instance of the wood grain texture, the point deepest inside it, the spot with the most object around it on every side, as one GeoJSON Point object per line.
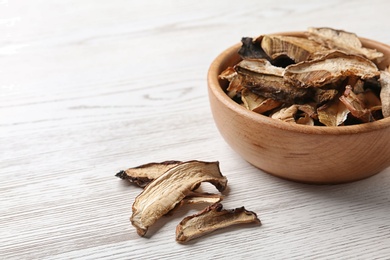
{"type": "Point", "coordinates": [89, 88]}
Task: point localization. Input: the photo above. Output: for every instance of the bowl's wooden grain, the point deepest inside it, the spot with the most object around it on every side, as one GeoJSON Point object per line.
{"type": "Point", "coordinates": [312, 154]}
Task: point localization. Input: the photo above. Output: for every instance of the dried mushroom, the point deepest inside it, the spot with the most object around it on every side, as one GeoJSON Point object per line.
{"type": "Point", "coordinates": [173, 184]}
{"type": "Point", "coordinates": [166, 191]}
{"type": "Point", "coordinates": [296, 48]}
{"type": "Point", "coordinates": [201, 197]}
{"type": "Point", "coordinates": [344, 41]}
{"type": "Point", "coordinates": [329, 71]}
{"type": "Point", "coordinates": [142, 175]}
{"type": "Point", "coordinates": [210, 219]}
{"type": "Point", "coordinates": [384, 79]}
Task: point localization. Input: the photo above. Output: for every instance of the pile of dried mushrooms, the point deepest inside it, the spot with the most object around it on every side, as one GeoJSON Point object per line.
{"type": "Point", "coordinates": [169, 184]}
{"type": "Point", "coordinates": [326, 78]}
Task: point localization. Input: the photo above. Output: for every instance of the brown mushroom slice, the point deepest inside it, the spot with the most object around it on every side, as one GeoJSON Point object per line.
{"type": "Point", "coordinates": [267, 105]}
{"type": "Point", "coordinates": [271, 86]}
{"type": "Point", "coordinates": [250, 99]}
{"type": "Point", "coordinates": [212, 218]}
{"type": "Point", "coordinates": [142, 175]}
{"type": "Point", "coordinates": [329, 69]}
{"type": "Point", "coordinates": [165, 192]}
{"type": "Point", "coordinates": [296, 48]}
{"type": "Point", "coordinates": [256, 103]}
{"type": "Point", "coordinates": [384, 80]}
{"type": "Point", "coordinates": [286, 114]}
{"type": "Point", "coordinates": [234, 79]}
{"type": "Point", "coordinates": [260, 66]}
{"type": "Point", "coordinates": [355, 106]}
{"type": "Point", "coordinates": [345, 41]}
{"type": "Point", "coordinates": [333, 114]}
{"type": "Point", "coordinates": [195, 197]}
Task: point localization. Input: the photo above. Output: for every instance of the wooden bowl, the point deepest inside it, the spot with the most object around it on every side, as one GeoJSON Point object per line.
{"type": "Point", "coordinates": [311, 154]}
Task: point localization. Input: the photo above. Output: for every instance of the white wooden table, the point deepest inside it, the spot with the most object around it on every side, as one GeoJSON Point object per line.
{"type": "Point", "coordinates": [88, 88]}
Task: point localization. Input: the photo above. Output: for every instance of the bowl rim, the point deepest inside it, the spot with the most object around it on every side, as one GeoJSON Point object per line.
{"type": "Point", "coordinates": [215, 87]}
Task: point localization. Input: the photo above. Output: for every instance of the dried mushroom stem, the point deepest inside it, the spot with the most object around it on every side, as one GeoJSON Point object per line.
{"type": "Point", "coordinates": [166, 191]}
{"type": "Point", "coordinates": [212, 218]}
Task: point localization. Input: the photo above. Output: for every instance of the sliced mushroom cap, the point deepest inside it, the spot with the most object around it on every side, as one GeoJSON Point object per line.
{"type": "Point", "coordinates": [333, 114]}
{"type": "Point", "coordinates": [296, 48]}
{"type": "Point", "coordinates": [260, 66]}
{"type": "Point", "coordinates": [330, 69]}
{"type": "Point", "coordinates": [344, 41]}
{"type": "Point", "coordinates": [212, 218]}
{"type": "Point", "coordinates": [165, 192]}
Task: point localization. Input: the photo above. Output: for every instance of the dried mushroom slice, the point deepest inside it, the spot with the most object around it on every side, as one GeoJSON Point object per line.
{"type": "Point", "coordinates": [267, 105]}
{"type": "Point", "coordinates": [234, 79]}
{"type": "Point", "coordinates": [296, 48]}
{"type": "Point", "coordinates": [286, 114]}
{"type": "Point", "coordinates": [271, 86]}
{"type": "Point", "coordinates": [195, 197]}
{"type": "Point", "coordinates": [250, 99]}
{"type": "Point", "coordinates": [330, 69]}
{"type": "Point", "coordinates": [142, 175]}
{"type": "Point", "coordinates": [212, 218]}
{"type": "Point", "coordinates": [344, 41]}
{"type": "Point", "coordinates": [333, 114]}
{"type": "Point", "coordinates": [384, 80]}
{"type": "Point", "coordinates": [258, 103]}
{"type": "Point", "coordinates": [355, 106]}
{"type": "Point", "coordinates": [260, 66]}
{"type": "Point", "coordinates": [165, 192]}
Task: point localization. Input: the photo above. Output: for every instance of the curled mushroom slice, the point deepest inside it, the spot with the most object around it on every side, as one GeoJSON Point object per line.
{"type": "Point", "coordinates": [329, 69]}
{"type": "Point", "coordinates": [260, 66]}
{"type": "Point", "coordinates": [165, 192]}
{"type": "Point", "coordinates": [250, 99]}
{"type": "Point", "coordinates": [355, 106]}
{"type": "Point", "coordinates": [212, 218]}
{"type": "Point", "coordinates": [286, 114]}
{"type": "Point", "coordinates": [344, 41]}
{"type": "Point", "coordinates": [384, 80]}
{"type": "Point", "coordinates": [296, 48]}
{"type": "Point", "coordinates": [142, 175]}
{"type": "Point", "coordinates": [258, 103]}
{"type": "Point", "coordinates": [333, 113]}
{"type": "Point", "coordinates": [234, 79]}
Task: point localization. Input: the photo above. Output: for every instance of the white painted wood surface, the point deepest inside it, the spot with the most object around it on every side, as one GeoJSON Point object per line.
{"type": "Point", "coordinates": [89, 88]}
